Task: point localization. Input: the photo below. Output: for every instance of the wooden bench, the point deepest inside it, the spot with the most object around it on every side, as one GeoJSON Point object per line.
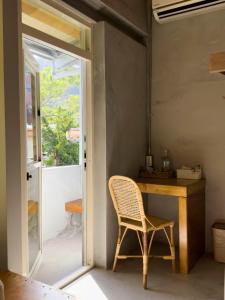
{"type": "Point", "coordinates": [32, 207]}
{"type": "Point", "coordinates": [17, 287]}
{"type": "Point", "coordinates": [74, 206]}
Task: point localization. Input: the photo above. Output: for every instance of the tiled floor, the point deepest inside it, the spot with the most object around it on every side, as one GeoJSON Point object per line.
{"type": "Point", "coordinates": [61, 257]}
{"type": "Point", "coordinates": [205, 281]}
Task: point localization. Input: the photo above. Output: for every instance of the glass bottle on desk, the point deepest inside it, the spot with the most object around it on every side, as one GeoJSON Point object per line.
{"type": "Point", "coordinates": [166, 162]}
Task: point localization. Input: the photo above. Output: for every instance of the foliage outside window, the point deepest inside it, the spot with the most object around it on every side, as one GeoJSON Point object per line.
{"type": "Point", "coordinates": [60, 111]}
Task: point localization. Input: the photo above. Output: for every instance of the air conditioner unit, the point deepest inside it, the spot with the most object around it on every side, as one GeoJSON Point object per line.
{"type": "Point", "coordinates": [168, 10]}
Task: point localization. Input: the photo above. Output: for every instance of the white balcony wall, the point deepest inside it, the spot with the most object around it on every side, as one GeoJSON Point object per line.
{"type": "Point", "coordinates": [59, 185]}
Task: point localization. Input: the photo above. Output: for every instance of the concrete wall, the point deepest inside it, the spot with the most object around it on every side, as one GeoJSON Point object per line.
{"type": "Point", "coordinates": [125, 113]}
{"type": "Point", "coordinates": [120, 124]}
{"type": "Point", "coordinates": [127, 12]}
{"type": "Point", "coordinates": [3, 236]}
{"type": "Point", "coordinates": [188, 106]}
{"type": "Point", "coordinates": [135, 11]}
{"type": "Point", "coordinates": [59, 185]}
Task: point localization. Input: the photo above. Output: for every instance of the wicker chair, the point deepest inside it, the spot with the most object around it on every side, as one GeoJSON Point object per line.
{"type": "Point", "coordinates": [128, 203]}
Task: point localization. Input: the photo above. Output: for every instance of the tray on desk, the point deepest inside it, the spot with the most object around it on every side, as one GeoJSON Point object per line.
{"type": "Point", "coordinates": [156, 174]}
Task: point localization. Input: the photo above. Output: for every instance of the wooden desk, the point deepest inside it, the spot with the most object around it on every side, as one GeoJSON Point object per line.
{"type": "Point", "coordinates": [18, 287]}
{"type": "Point", "coordinates": [191, 204]}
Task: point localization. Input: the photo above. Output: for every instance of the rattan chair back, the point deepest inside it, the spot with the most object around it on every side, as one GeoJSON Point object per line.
{"type": "Point", "coordinates": [127, 199]}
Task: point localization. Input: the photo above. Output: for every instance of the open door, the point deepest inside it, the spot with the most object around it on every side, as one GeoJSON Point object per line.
{"type": "Point", "coordinates": [33, 156]}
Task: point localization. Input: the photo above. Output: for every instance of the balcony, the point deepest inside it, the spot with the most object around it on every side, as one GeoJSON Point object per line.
{"type": "Point", "coordinates": [62, 231]}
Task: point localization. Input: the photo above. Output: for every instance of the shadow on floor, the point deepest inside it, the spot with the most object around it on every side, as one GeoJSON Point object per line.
{"type": "Point", "coordinates": [205, 281]}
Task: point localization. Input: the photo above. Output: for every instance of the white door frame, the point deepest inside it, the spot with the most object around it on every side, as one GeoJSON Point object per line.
{"type": "Point", "coordinates": [40, 37]}
{"type": "Point", "coordinates": [3, 204]}
{"type": "Point", "coordinates": [31, 64]}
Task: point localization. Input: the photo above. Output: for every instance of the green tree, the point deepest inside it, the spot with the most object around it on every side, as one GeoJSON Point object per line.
{"type": "Point", "coordinates": [60, 113]}
{"type": "Point", "coordinates": [59, 150]}
{"type": "Point", "coordinates": [52, 90]}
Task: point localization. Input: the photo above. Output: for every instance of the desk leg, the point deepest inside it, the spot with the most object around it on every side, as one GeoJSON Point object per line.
{"type": "Point", "coordinates": [183, 234]}
{"type": "Point", "coordinates": [191, 230]}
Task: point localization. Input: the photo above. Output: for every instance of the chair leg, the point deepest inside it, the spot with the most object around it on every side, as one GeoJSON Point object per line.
{"type": "Point", "coordinates": [118, 245]}
{"type": "Point", "coordinates": [150, 243]}
{"type": "Point", "coordinates": [172, 248]}
{"type": "Point", "coordinates": [145, 259]}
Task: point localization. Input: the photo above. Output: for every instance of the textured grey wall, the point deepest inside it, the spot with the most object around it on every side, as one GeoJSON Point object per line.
{"type": "Point", "coordinates": [135, 11]}
{"type": "Point", "coordinates": [120, 124]}
{"type": "Point", "coordinates": [126, 114]}
{"type": "Point", "coordinates": [188, 107]}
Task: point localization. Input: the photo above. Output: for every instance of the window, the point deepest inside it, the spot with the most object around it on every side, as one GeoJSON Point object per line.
{"type": "Point", "coordinates": [60, 91]}
{"type": "Point", "coordinates": [40, 16]}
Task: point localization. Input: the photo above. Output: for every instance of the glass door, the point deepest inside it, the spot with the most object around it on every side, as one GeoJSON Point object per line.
{"type": "Point", "coordinates": [33, 156]}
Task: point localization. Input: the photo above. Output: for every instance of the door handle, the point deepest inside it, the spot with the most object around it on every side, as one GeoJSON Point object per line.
{"type": "Point", "coordinates": [29, 176]}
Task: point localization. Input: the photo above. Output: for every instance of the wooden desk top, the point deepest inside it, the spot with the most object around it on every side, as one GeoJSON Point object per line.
{"type": "Point", "coordinates": [18, 287]}
{"type": "Point", "coordinates": [170, 186]}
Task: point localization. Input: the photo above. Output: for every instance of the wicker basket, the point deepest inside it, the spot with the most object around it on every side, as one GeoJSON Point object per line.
{"type": "Point", "coordinates": [219, 241]}
{"type": "Point", "coordinates": [189, 174]}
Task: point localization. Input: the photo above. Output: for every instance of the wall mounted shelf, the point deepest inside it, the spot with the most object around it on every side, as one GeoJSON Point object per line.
{"type": "Point", "coordinates": [217, 63]}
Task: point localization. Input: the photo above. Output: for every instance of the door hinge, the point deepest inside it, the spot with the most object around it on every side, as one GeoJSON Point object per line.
{"type": "Point", "coordinates": [29, 176]}
{"type": "Point", "coordinates": [85, 159]}
{"type": "Point", "coordinates": [39, 112]}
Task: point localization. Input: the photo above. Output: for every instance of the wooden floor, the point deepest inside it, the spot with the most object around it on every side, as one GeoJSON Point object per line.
{"type": "Point", "coordinates": [20, 288]}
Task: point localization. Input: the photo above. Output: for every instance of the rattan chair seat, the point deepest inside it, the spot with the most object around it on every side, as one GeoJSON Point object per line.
{"type": "Point", "coordinates": [153, 223]}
